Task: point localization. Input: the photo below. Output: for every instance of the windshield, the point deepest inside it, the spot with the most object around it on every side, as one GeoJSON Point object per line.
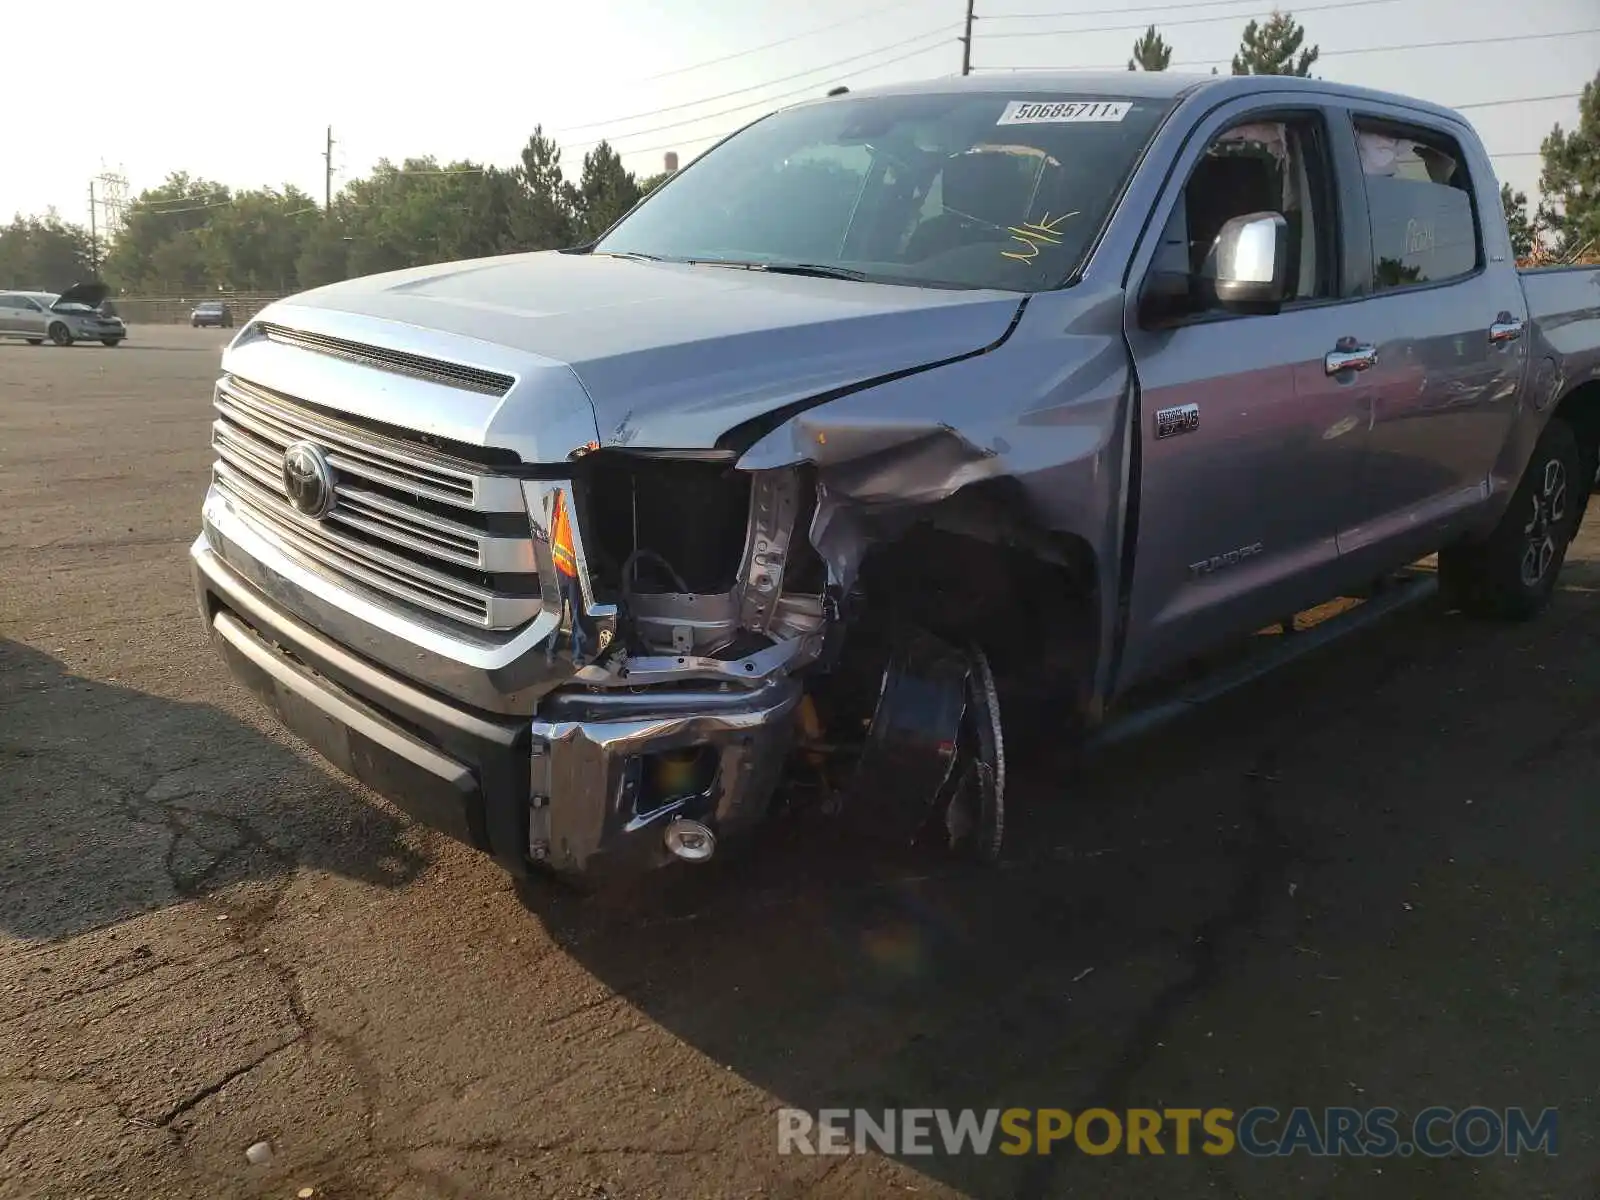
{"type": "Point", "coordinates": [953, 190]}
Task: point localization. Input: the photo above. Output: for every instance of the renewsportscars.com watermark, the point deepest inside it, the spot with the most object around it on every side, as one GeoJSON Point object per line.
{"type": "Point", "coordinates": [1260, 1132]}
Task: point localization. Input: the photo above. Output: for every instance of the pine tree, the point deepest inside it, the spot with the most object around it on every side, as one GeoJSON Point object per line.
{"type": "Point", "coordinates": [1570, 179]}
{"type": "Point", "coordinates": [1150, 53]}
{"type": "Point", "coordinates": [1524, 233]}
{"type": "Point", "coordinates": [1274, 48]}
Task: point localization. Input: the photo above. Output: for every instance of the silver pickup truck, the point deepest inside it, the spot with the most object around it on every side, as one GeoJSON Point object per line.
{"type": "Point", "coordinates": [894, 412]}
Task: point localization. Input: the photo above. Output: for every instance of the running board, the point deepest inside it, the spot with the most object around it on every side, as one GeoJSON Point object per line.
{"type": "Point", "coordinates": [1392, 595]}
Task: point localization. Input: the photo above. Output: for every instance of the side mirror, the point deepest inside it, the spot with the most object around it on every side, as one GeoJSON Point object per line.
{"type": "Point", "coordinates": [1251, 255]}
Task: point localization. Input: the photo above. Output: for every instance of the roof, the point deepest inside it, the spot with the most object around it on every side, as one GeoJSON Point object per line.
{"type": "Point", "coordinates": [1135, 85]}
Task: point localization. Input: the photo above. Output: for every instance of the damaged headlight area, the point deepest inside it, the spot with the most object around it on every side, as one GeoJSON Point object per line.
{"type": "Point", "coordinates": [741, 675]}
{"type": "Point", "coordinates": [702, 559]}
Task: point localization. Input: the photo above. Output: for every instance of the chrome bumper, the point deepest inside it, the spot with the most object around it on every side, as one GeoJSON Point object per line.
{"type": "Point", "coordinates": [564, 789]}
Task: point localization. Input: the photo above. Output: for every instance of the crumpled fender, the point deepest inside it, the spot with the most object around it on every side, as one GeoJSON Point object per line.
{"type": "Point", "coordinates": [1047, 407]}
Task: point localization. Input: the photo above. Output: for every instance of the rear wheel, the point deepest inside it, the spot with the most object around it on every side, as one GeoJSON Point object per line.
{"type": "Point", "coordinates": [35, 341]}
{"type": "Point", "coordinates": [60, 334]}
{"type": "Point", "coordinates": [1511, 574]}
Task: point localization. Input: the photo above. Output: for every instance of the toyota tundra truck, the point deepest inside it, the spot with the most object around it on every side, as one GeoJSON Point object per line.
{"type": "Point", "coordinates": [901, 426]}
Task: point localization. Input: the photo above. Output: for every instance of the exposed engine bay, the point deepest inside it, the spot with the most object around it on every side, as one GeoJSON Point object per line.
{"type": "Point", "coordinates": [898, 727]}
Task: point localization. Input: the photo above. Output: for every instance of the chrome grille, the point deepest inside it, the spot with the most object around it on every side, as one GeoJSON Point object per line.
{"type": "Point", "coordinates": [408, 523]}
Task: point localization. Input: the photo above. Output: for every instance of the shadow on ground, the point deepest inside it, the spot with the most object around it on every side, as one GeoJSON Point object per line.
{"type": "Point", "coordinates": [1290, 899]}
{"type": "Point", "coordinates": [117, 802]}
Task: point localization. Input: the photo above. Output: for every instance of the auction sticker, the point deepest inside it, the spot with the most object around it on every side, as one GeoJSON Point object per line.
{"type": "Point", "coordinates": [1058, 112]}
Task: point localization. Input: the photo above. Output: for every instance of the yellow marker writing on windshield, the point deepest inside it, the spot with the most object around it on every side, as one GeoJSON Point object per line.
{"type": "Point", "coordinates": [1045, 231]}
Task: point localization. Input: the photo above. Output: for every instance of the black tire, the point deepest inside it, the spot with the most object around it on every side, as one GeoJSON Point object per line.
{"type": "Point", "coordinates": [60, 334]}
{"type": "Point", "coordinates": [111, 341]}
{"type": "Point", "coordinates": [35, 341]}
{"type": "Point", "coordinates": [1511, 574]}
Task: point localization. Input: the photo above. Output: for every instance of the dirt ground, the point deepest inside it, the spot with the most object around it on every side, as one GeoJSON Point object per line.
{"type": "Point", "coordinates": [1370, 880]}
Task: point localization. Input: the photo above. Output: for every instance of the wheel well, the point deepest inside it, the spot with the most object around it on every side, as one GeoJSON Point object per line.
{"type": "Point", "coordinates": [1580, 408]}
{"type": "Point", "coordinates": [975, 568]}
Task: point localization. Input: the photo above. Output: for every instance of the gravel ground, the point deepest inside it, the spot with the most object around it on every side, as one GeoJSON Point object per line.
{"type": "Point", "coordinates": [1369, 880]}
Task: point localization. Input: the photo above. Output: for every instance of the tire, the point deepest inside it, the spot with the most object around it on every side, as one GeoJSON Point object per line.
{"type": "Point", "coordinates": [35, 341]}
{"type": "Point", "coordinates": [60, 334]}
{"type": "Point", "coordinates": [1511, 574]}
{"type": "Point", "coordinates": [111, 341]}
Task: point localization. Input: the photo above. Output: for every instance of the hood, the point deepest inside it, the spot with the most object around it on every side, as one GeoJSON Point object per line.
{"type": "Point", "coordinates": [672, 355]}
{"type": "Point", "coordinates": [90, 294]}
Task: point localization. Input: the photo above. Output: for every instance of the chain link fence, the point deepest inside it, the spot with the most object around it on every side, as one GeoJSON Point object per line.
{"type": "Point", "coordinates": [175, 310]}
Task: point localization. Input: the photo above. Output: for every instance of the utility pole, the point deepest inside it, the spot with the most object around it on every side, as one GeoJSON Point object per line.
{"type": "Point", "coordinates": [966, 43]}
{"type": "Point", "coordinates": [327, 173]}
{"type": "Point", "coordinates": [94, 235]}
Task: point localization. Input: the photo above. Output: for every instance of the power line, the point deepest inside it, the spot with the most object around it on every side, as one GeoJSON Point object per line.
{"type": "Point", "coordinates": [809, 90]}
{"type": "Point", "coordinates": [1518, 100]}
{"type": "Point", "coordinates": [1117, 12]}
{"type": "Point", "coordinates": [711, 62]}
{"type": "Point", "coordinates": [755, 87]}
{"type": "Point", "coordinates": [1298, 9]}
{"type": "Point", "coordinates": [1495, 41]}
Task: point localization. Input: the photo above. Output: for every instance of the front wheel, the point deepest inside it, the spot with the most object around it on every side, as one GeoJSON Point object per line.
{"type": "Point", "coordinates": [111, 341]}
{"type": "Point", "coordinates": [1511, 574]}
{"type": "Point", "coordinates": [60, 334]}
{"type": "Point", "coordinates": [35, 341]}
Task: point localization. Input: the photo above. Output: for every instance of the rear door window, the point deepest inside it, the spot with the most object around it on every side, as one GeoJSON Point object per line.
{"type": "Point", "coordinates": [1419, 202]}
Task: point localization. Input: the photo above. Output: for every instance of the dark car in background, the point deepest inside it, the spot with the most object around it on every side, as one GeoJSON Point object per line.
{"type": "Point", "coordinates": [211, 312]}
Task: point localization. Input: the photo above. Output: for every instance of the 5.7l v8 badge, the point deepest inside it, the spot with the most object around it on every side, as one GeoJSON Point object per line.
{"type": "Point", "coordinates": [1170, 422]}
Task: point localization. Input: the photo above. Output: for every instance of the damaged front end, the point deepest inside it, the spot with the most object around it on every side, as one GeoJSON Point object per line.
{"type": "Point", "coordinates": [727, 664]}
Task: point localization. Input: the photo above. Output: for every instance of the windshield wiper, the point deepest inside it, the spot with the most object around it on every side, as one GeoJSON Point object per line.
{"type": "Point", "coordinates": [820, 270]}
{"type": "Point", "coordinates": [631, 254]}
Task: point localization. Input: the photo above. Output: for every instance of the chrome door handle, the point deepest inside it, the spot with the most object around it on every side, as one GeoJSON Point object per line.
{"type": "Point", "coordinates": [1350, 356]}
{"type": "Point", "coordinates": [1506, 328]}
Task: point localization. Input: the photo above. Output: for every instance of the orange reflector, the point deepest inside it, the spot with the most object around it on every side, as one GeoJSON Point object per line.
{"type": "Point", "coordinates": [561, 539]}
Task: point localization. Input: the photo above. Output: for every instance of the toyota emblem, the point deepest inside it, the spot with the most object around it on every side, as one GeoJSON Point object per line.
{"type": "Point", "coordinates": [308, 479]}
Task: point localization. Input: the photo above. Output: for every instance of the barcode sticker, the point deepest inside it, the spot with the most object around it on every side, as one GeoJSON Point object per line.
{"type": "Point", "coordinates": [1056, 112]}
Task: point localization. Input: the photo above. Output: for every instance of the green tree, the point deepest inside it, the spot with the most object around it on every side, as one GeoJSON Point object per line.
{"type": "Point", "coordinates": [325, 254]}
{"type": "Point", "coordinates": [422, 212]}
{"type": "Point", "coordinates": [543, 216]}
{"type": "Point", "coordinates": [141, 258]}
{"type": "Point", "coordinates": [1524, 232]}
{"type": "Point", "coordinates": [44, 252]}
{"type": "Point", "coordinates": [1150, 53]}
{"type": "Point", "coordinates": [605, 191]}
{"type": "Point", "coordinates": [1274, 48]}
{"type": "Point", "coordinates": [1570, 179]}
{"type": "Point", "coordinates": [254, 243]}
{"type": "Point", "coordinates": [651, 182]}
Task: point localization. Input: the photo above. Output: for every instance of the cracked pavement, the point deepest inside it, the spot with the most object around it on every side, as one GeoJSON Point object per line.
{"type": "Point", "coordinates": [1368, 880]}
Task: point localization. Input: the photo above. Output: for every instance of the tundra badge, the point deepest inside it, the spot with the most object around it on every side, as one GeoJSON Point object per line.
{"type": "Point", "coordinates": [1170, 422]}
{"type": "Point", "coordinates": [1231, 558]}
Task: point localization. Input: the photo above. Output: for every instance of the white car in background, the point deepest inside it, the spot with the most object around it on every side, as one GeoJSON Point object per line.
{"type": "Point", "coordinates": [64, 318]}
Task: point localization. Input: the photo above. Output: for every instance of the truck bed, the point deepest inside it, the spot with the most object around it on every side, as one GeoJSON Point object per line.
{"type": "Point", "coordinates": [1564, 304]}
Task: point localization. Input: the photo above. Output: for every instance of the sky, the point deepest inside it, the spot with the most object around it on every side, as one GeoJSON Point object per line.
{"type": "Point", "coordinates": [244, 94]}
